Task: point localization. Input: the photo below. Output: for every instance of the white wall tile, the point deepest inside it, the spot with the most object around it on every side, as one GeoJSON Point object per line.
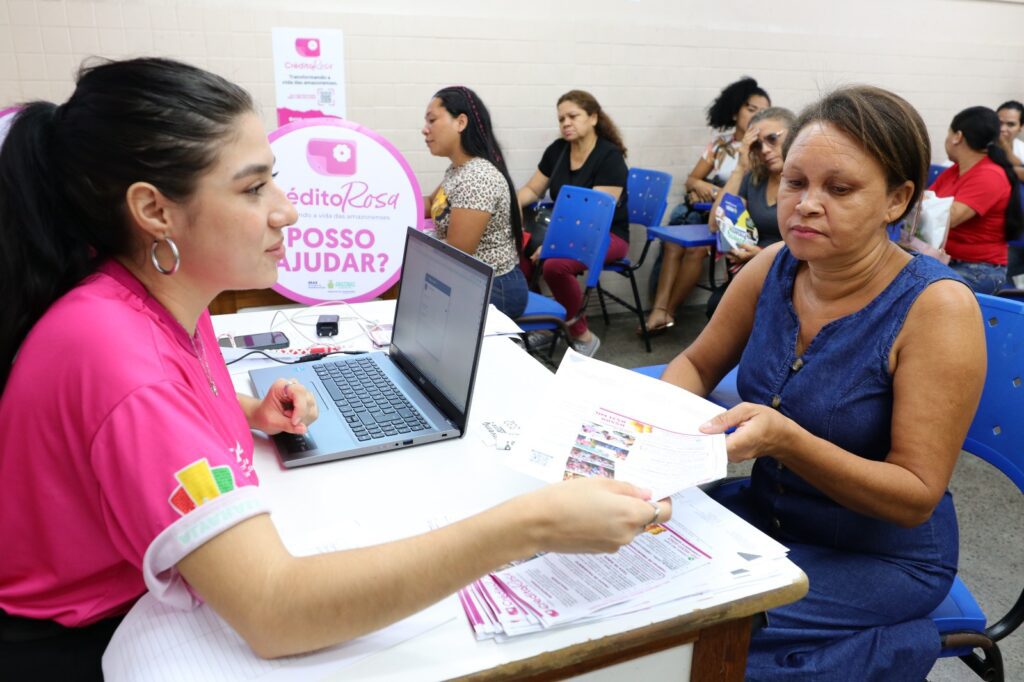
{"type": "Point", "coordinates": [85, 40]}
{"type": "Point", "coordinates": [654, 65]}
{"type": "Point", "coordinates": [51, 13]}
{"type": "Point", "coordinates": [164, 17]}
{"type": "Point", "coordinates": [35, 89]}
{"type": "Point", "coordinates": [22, 13]}
{"type": "Point", "coordinates": [80, 13]}
{"type": "Point", "coordinates": [138, 42]}
{"type": "Point", "coordinates": [135, 16]}
{"type": "Point", "coordinates": [31, 66]}
{"type": "Point", "coordinates": [112, 41]}
{"type": "Point", "coordinates": [60, 68]}
{"type": "Point", "coordinates": [108, 14]}
{"type": "Point", "coordinates": [26, 40]}
{"type": "Point", "coordinates": [55, 39]}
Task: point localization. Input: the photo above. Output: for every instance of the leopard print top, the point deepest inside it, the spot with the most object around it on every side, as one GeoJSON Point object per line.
{"type": "Point", "coordinates": [478, 185]}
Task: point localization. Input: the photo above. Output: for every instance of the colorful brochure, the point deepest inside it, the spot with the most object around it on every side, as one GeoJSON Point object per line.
{"type": "Point", "coordinates": [601, 420]}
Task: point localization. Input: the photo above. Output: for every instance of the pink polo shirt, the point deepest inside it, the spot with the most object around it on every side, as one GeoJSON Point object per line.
{"type": "Point", "coordinates": [116, 457]}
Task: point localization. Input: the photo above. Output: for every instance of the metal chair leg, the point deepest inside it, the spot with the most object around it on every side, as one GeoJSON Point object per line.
{"type": "Point", "coordinates": [639, 310]}
{"type": "Point", "coordinates": [604, 308]}
{"type": "Point", "coordinates": [989, 667]}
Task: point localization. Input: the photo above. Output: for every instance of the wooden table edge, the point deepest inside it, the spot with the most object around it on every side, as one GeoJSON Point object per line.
{"type": "Point", "coordinates": [723, 620]}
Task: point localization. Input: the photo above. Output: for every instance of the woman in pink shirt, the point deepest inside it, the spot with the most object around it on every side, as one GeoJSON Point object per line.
{"type": "Point", "coordinates": [125, 456]}
{"type": "Point", "coordinates": [986, 211]}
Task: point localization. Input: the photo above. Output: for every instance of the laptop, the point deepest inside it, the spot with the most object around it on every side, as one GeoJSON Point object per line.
{"type": "Point", "coordinates": [420, 391]}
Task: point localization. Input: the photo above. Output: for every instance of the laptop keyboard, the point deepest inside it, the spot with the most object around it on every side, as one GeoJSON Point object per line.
{"type": "Point", "coordinates": [369, 402]}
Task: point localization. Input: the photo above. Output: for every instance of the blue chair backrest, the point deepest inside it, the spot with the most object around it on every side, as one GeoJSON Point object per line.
{"type": "Point", "coordinates": [934, 171]}
{"type": "Point", "coordinates": [895, 230]}
{"type": "Point", "coordinates": [580, 228]}
{"type": "Point", "coordinates": [997, 432]}
{"type": "Point", "coordinates": [647, 192]}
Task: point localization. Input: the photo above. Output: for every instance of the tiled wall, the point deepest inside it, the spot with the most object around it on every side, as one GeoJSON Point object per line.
{"type": "Point", "coordinates": [654, 64]}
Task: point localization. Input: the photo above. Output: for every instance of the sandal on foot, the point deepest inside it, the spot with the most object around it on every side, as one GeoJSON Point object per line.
{"type": "Point", "coordinates": [654, 330]}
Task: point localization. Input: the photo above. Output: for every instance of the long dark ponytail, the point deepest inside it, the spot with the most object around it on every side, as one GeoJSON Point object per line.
{"type": "Point", "coordinates": [980, 128]}
{"type": "Point", "coordinates": [64, 172]}
{"type": "Point", "coordinates": [478, 139]}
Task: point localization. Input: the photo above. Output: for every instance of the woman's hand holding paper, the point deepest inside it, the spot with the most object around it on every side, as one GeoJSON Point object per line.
{"type": "Point", "coordinates": [759, 430]}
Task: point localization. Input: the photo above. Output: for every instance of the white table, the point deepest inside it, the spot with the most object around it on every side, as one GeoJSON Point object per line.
{"type": "Point", "coordinates": [427, 482]}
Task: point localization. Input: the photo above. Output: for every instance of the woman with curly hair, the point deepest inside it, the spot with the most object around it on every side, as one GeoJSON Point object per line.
{"type": "Point", "coordinates": [730, 116]}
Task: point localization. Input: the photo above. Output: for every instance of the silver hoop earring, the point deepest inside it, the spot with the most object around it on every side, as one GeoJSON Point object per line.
{"type": "Point", "coordinates": [174, 252]}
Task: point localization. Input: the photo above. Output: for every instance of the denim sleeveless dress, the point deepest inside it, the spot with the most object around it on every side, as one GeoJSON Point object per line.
{"type": "Point", "coordinates": [872, 583]}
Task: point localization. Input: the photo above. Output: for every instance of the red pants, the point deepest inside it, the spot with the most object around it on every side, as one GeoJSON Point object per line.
{"type": "Point", "coordinates": [561, 273]}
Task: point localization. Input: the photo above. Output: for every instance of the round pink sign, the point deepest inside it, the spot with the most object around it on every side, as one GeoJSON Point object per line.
{"type": "Point", "coordinates": [6, 119]}
{"type": "Point", "coordinates": [355, 195]}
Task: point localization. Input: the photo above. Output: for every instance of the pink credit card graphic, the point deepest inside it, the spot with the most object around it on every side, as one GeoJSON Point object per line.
{"type": "Point", "coordinates": [307, 47]}
{"type": "Point", "coordinates": [332, 157]}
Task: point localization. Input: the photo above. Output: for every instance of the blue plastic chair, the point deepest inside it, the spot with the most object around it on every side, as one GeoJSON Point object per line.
{"type": "Point", "coordinates": [724, 394]}
{"type": "Point", "coordinates": [934, 171]}
{"type": "Point", "coordinates": [997, 436]}
{"type": "Point", "coordinates": [647, 201]}
{"type": "Point", "coordinates": [580, 229]}
{"type": "Point", "coordinates": [690, 236]}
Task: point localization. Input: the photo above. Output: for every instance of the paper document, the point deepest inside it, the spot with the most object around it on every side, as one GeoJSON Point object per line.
{"type": "Point", "coordinates": [705, 555]}
{"type": "Point", "coordinates": [602, 420]}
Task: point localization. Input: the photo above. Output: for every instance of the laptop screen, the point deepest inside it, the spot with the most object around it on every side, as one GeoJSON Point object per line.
{"type": "Point", "coordinates": [440, 315]}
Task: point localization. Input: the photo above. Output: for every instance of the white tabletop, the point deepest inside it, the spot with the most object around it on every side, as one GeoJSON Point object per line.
{"type": "Point", "coordinates": [400, 491]}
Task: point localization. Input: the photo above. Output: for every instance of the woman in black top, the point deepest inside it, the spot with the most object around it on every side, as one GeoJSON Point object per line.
{"type": "Point", "coordinates": [590, 154]}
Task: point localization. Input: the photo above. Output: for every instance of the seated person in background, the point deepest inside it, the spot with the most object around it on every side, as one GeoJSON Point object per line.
{"type": "Point", "coordinates": [109, 360]}
{"type": "Point", "coordinates": [589, 154]}
{"type": "Point", "coordinates": [680, 267]}
{"type": "Point", "coordinates": [838, 333]}
{"type": "Point", "coordinates": [756, 181]}
{"type": "Point", "coordinates": [1011, 116]}
{"type": "Point", "coordinates": [474, 208]}
{"type": "Point", "coordinates": [986, 210]}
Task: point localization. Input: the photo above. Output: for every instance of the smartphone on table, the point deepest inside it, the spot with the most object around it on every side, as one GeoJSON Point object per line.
{"type": "Point", "coordinates": [262, 341]}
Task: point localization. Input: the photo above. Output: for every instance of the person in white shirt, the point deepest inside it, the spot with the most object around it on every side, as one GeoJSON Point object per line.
{"type": "Point", "coordinates": [1011, 113]}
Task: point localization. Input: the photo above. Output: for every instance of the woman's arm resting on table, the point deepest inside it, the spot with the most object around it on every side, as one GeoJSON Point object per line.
{"type": "Point", "coordinates": [960, 213]}
{"type": "Point", "coordinates": [938, 364]}
{"type": "Point", "coordinates": [717, 350]}
{"type": "Point", "coordinates": [287, 407]}
{"type": "Point", "coordinates": [283, 605]}
{"type": "Point", "coordinates": [533, 190]}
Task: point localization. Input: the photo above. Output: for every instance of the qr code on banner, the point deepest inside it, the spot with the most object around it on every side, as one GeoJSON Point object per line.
{"type": "Point", "coordinates": [538, 457]}
{"type": "Point", "coordinates": [325, 96]}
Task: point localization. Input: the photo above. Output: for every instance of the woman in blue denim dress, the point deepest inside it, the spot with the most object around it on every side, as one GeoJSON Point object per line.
{"type": "Point", "coordinates": [860, 367]}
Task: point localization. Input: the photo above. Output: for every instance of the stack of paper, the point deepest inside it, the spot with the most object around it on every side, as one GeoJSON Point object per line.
{"type": "Point", "coordinates": [705, 555]}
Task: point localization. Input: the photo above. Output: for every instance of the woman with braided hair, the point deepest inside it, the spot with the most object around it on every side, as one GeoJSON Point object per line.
{"type": "Point", "coordinates": [474, 208]}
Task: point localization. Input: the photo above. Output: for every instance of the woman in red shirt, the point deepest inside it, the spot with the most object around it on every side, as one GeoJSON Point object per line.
{"type": "Point", "coordinates": [986, 210]}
